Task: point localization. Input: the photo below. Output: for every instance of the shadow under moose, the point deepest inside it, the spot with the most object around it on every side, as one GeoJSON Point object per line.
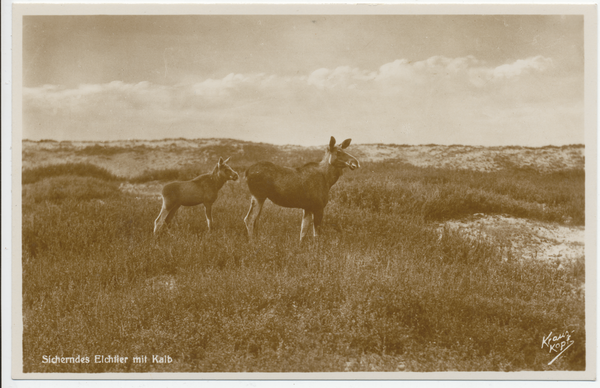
{"type": "Point", "coordinates": [305, 187]}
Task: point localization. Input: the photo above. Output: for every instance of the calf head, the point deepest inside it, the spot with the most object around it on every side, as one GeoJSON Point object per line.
{"type": "Point", "coordinates": [226, 171]}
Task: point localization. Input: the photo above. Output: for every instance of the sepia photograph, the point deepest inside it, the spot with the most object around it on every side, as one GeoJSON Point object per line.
{"type": "Point", "coordinates": [332, 192]}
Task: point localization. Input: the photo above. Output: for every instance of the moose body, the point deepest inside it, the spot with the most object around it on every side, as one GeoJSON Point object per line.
{"type": "Point", "coordinates": [201, 190]}
{"type": "Point", "coordinates": [305, 187]}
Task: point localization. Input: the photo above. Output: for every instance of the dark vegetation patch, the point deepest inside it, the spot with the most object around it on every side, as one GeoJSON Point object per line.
{"type": "Point", "coordinates": [440, 194]}
{"type": "Point", "coordinates": [79, 169]}
{"type": "Point", "coordinates": [109, 150]}
{"type": "Point", "coordinates": [69, 187]}
{"type": "Point", "coordinates": [171, 174]}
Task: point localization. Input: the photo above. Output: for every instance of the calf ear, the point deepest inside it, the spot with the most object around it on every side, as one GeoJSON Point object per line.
{"type": "Point", "coordinates": [346, 143]}
{"type": "Point", "coordinates": [220, 161]}
{"type": "Point", "coordinates": [332, 143]}
{"type": "Point", "coordinates": [227, 160]}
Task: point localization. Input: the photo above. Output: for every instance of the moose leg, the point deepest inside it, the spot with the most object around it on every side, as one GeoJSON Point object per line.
{"type": "Point", "coordinates": [306, 220]}
{"type": "Point", "coordinates": [252, 216]}
{"type": "Point", "coordinates": [208, 212]}
{"type": "Point", "coordinates": [171, 214]}
{"type": "Point", "coordinates": [160, 220]}
{"type": "Point", "coordinates": [318, 217]}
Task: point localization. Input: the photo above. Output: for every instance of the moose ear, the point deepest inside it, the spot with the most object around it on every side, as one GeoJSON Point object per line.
{"type": "Point", "coordinates": [220, 161]}
{"type": "Point", "coordinates": [226, 160]}
{"type": "Point", "coordinates": [346, 143]}
{"type": "Point", "coordinates": [332, 143]}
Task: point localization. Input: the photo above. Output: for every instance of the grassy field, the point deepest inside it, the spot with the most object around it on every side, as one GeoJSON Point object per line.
{"type": "Point", "coordinates": [381, 290]}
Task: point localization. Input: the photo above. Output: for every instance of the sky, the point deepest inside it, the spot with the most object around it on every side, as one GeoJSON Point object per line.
{"type": "Point", "coordinates": [441, 79]}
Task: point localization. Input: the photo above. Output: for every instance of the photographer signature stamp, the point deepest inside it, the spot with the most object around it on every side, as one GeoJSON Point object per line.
{"type": "Point", "coordinates": [557, 343]}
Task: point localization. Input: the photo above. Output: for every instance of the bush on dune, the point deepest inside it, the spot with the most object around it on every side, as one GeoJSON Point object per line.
{"type": "Point", "coordinates": [69, 187]}
{"type": "Point", "coordinates": [79, 169]}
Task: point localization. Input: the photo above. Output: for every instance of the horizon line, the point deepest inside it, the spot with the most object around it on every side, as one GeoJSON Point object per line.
{"type": "Point", "coordinates": [297, 145]}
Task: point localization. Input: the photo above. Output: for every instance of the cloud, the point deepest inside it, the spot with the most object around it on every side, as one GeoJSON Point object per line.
{"type": "Point", "coordinates": [86, 98]}
{"type": "Point", "coordinates": [340, 77]}
{"type": "Point", "coordinates": [437, 100]}
{"type": "Point", "coordinates": [534, 64]}
{"type": "Point", "coordinates": [219, 87]}
{"type": "Point", "coordinates": [434, 66]}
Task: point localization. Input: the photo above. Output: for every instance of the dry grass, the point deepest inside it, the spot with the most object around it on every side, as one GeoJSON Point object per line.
{"type": "Point", "coordinates": [384, 289]}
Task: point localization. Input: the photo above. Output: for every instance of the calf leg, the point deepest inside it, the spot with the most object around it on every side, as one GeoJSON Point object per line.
{"type": "Point", "coordinates": [306, 220]}
{"type": "Point", "coordinates": [252, 217]}
{"type": "Point", "coordinates": [208, 212]}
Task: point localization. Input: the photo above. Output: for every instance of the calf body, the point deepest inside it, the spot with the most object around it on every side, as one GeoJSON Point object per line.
{"type": "Point", "coordinates": [201, 190]}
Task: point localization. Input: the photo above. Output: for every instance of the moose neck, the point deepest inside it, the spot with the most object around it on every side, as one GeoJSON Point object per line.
{"type": "Point", "coordinates": [332, 174]}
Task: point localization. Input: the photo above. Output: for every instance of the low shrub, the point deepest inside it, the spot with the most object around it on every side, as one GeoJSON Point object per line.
{"type": "Point", "coordinates": [79, 169]}
{"type": "Point", "coordinates": [69, 187]}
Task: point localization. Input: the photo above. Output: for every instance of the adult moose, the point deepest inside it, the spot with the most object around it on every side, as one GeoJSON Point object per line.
{"type": "Point", "coordinates": [305, 187]}
{"type": "Point", "coordinates": [203, 189]}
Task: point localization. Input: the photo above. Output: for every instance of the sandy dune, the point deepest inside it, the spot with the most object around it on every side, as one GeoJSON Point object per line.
{"type": "Point", "coordinates": [178, 152]}
{"type": "Point", "coordinates": [523, 238]}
